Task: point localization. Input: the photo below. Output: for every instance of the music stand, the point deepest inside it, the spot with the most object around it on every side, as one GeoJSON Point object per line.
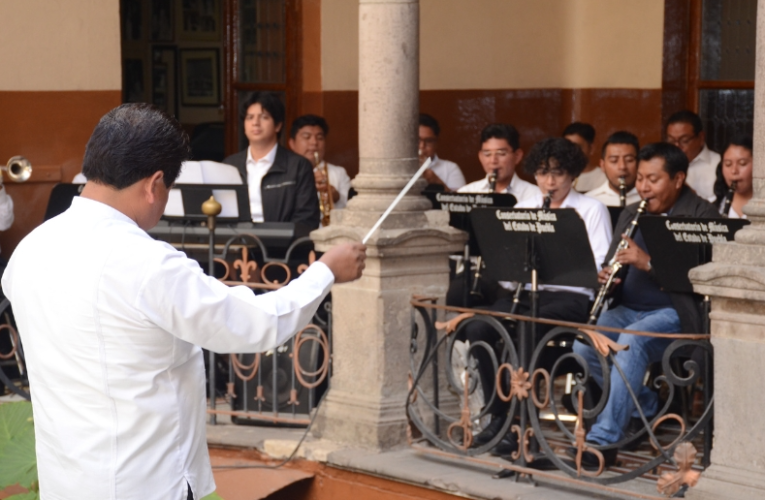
{"type": "Point", "coordinates": [185, 203]}
{"type": "Point", "coordinates": [459, 206]}
{"type": "Point", "coordinates": [678, 244]}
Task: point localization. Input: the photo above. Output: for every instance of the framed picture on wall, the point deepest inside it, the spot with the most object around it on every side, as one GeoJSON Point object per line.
{"type": "Point", "coordinates": [164, 79]}
{"type": "Point", "coordinates": [132, 20]}
{"type": "Point", "coordinates": [162, 20]}
{"type": "Point", "coordinates": [133, 86]}
{"type": "Point", "coordinates": [200, 77]}
{"type": "Point", "coordinates": [200, 20]}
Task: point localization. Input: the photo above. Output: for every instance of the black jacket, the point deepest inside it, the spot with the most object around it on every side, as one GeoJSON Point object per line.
{"type": "Point", "coordinates": [288, 189]}
{"type": "Point", "coordinates": [687, 305]}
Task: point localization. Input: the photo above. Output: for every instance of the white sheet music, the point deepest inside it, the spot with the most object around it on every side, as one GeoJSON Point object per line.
{"type": "Point", "coordinates": [206, 172]}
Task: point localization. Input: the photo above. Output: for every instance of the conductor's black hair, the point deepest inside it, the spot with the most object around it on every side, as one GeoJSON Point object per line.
{"type": "Point", "coordinates": [132, 142]}
{"type": "Point", "coordinates": [567, 156]}
{"type": "Point", "coordinates": [430, 122]}
{"type": "Point", "coordinates": [583, 130]}
{"type": "Point", "coordinates": [269, 101]}
{"type": "Point", "coordinates": [675, 160]}
{"type": "Point", "coordinates": [502, 131]}
{"type": "Point", "coordinates": [308, 121]}
{"type": "Point", "coordinates": [721, 187]}
{"type": "Point", "coordinates": [689, 117]}
{"type": "Point", "coordinates": [621, 137]}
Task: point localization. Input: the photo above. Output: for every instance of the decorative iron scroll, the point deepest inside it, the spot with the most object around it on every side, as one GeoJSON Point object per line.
{"type": "Point", "coordinates": [13, 372]}
{"type": "Point", "coordinates": [531, 385]}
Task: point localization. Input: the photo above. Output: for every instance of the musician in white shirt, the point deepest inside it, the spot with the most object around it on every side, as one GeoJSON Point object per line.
{"type": "Point", "coordinates": [113, 339]}
{"type": "Point", "coordinates": [618, 160]}
{"type": "Point", "coordinates": [736, 166]}
{"type": "Point", "coordinates": [441, 172]}
{"type": "Point", "coordinates": [685, 130]}
{"type": "Point", "coordinates": [583, 135]}
{"type": "Point", "coordinates": [308, 138]}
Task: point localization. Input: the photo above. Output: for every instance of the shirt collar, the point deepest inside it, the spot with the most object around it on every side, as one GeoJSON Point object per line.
{"type": "Point", "coordinates": [269, 158]}
{"type": "Point", "coordinates": [98, 210]}
{"type": "Point", "coordinates": [702, 157]}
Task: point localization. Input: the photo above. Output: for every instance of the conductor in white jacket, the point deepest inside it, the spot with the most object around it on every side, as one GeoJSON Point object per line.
{"type": "Point", "coordinates": [113, 324]}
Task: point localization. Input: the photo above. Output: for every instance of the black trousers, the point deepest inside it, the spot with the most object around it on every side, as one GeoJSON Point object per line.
{"type": "Point", "coordinates": [562, 306]}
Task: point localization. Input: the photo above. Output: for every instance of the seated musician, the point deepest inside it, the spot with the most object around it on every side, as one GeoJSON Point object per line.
{"type": "Point", "coordinates": [640, 303]}
{"type": "Point", "coordinates": [618, 159]}
{"type": "Point", "coordinates": [583, 135]}
{"type": "Point", "coordinates": [555, 163]}
{"type": "Point", "coordinates": [736, 166]}
{"type": "Point", "coordinates": [281, 183]}
{"type": "Point", "coordinates": [686, 131]}
{"type": "Point", "coordinates": [499, 155]}
{"type": "Point", "coordinates": [308, 136]}
{"type": "Point", "coordinates": [442, 173]}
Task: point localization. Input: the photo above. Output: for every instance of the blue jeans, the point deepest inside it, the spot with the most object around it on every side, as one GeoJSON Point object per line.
{"type": "Point", "coordinates": [634, 362]}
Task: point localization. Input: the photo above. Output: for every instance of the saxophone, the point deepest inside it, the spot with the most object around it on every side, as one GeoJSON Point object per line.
{"type": "Point", "coordinates": [728, 199]}
{"type": "Point", "coordinates": [325, 195]}
{"type": "Point", "coordinates": [615, 266]}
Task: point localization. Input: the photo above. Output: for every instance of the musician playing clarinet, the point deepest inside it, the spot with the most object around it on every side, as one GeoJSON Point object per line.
{"type": "Point", "coordinates": [555, 163]}
{"type": "Point", "coordinates": [639, 303]}
{"type": "Point", "coordinates": [733, 188]}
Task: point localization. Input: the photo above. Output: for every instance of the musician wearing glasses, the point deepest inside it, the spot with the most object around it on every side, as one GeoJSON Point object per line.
{"type": "Point", "coordinates": [308, 138]}
{"type": "Point", "coordinates": [639, 303]}
{"type": "Point", "coordinates": [443, 173]}
{"type": "Point", "coordinates": [733, 188]}
{"type": "Point", "coordinates": [685, 130]}
{"type": "Point", "coordinates": [499, 155]}
{"type": "Point", "coordinates": [555, 163]}
{"type": "Point", "coordinates": [618, 159]}
{"type": "Point", "coordinates": [281, 183]}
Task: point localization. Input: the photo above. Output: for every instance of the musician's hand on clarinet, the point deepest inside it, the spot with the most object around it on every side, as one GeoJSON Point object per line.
{"type": "Point", "coordinates": [604, 274]}
{"type": "Point", "coordinates": [346, 261]}
{"type": "Point", "coordinates": [634, 256]}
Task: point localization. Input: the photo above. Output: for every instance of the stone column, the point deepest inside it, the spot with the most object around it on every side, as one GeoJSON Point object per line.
{"type": "Point", "coordinates": [408, 255]}
{"type": "Point", "coordinates": [735, 281]}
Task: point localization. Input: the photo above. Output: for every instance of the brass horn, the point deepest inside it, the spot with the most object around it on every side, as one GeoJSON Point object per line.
{"type": "Point", "coordinates": [19, 169]}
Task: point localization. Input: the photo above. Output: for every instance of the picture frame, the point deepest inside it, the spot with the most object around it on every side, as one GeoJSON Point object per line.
{"type": "Point", "coordinates": [134, 79]}
{"type": "Point", "coordinates": [132, 20]}
{"type": "Point", "coordinates": [161, 17]}
{"type": "Point", "coordinates": [200, 20]}
{"type": "Point", "coordinates": [200, 77]}
{"type": "Point", "coordinates": [164, 78]}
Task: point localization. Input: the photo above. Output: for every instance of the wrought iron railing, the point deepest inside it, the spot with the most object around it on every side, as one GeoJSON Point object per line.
{"type": "Point", "coordinates": [13, 373]}
{"type": "Point", "coordinates": [446, 409]}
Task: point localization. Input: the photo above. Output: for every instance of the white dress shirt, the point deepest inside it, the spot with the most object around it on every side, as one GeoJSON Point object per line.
{"type": "Point", "coordinates": [732, 214]}
{"type": "Point", "coordinates": [256, 170]}
{"type": "Point", "coordinates": [519, 188]}
{"type": "Point", "coordinates": [448, 171]}
{"type": "Point", "coordinates": [339, 179]}
{"type": "Point", "coordinates": [587, 181]}
{"type": "Point", "coordinates": [610, 198]}
{"type": "Point", "coordinates": [596, 220]}
{"type": "Point", "coordinates": [112, 322]}
{"type": "Point", "coordinates": [702, 173]}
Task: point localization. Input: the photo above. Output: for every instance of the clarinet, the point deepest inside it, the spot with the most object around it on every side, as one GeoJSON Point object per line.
{"type": "Point", "coordinates": [474, 290]}
{"type": "Point", "coordinates": [615, 266]}
{"type": "Point", "coordinates": [547, 201]}
{"type": "Point", "coordinates": [728, 199]}
{"type": "Point", "coordinates": [622, 192]}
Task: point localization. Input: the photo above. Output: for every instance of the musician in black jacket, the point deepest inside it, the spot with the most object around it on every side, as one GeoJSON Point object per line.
{"type": "Point", "coordinates": [640, 303]}
{"type": "Point", "coordinates": [281, 183]}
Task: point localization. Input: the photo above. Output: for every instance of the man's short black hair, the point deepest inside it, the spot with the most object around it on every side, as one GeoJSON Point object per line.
{"type": "Point", "coordinates": [583, 130]}
{"type": "Point", "coordinates": [621, 137]}
{"type": "Point", "coordinates": [430, 122]}
{"type": "Point", "coordinates": [308, 121]}
{"type": "Point", "coordinates": [689, 117]}
{"type": "Point", "coordinates": [501, 131]}
{"type": "Point", "coordinates": [674, 159]}
{"type": "Point", "coordinates": [132, 142]}
{"type": "Point", "coordinates": [567, 155]}
{"type": "Point", "coordinates": [271, 102]}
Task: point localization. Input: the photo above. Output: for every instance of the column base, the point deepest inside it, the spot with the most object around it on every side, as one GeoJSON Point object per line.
{"type": "Point", "coordinates": [719, 482]}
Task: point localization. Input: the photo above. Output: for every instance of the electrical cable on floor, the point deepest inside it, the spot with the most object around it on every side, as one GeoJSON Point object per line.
{"type": "Point", "coordinates": [294, 452]}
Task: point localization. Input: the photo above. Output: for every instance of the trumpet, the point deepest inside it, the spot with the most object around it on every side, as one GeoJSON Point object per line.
{"type": "Point", "coordinates": [19, 169]}
{"type": "Point", "coordinates": [325, 194]}
{"type": "Point", "coordinates": [728, 199]}
{"type": "Point", "coordinates": [615, 266]}
{"type": "Point", "coordinates": [622, 192]}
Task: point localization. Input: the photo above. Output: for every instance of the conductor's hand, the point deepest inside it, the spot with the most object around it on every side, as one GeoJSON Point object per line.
{"type": "Point", "coordinates": [346, 261]}
{"type": "Point", "coordinates": [634, 256]}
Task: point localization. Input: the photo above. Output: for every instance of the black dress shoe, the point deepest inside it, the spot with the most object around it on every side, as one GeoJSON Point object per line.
{"type": "Point", "coordinates": [590, 460]}
{"type": "Point", "coordinates": [489, 432]}
{"type": "Point", "coordinates": [634, 427]}
{"type": "Point", "coordinates": [506, 446]}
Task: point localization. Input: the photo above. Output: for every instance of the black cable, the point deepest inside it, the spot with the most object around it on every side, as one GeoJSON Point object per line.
{"type": "Point", "coordinates": [294, 452]}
